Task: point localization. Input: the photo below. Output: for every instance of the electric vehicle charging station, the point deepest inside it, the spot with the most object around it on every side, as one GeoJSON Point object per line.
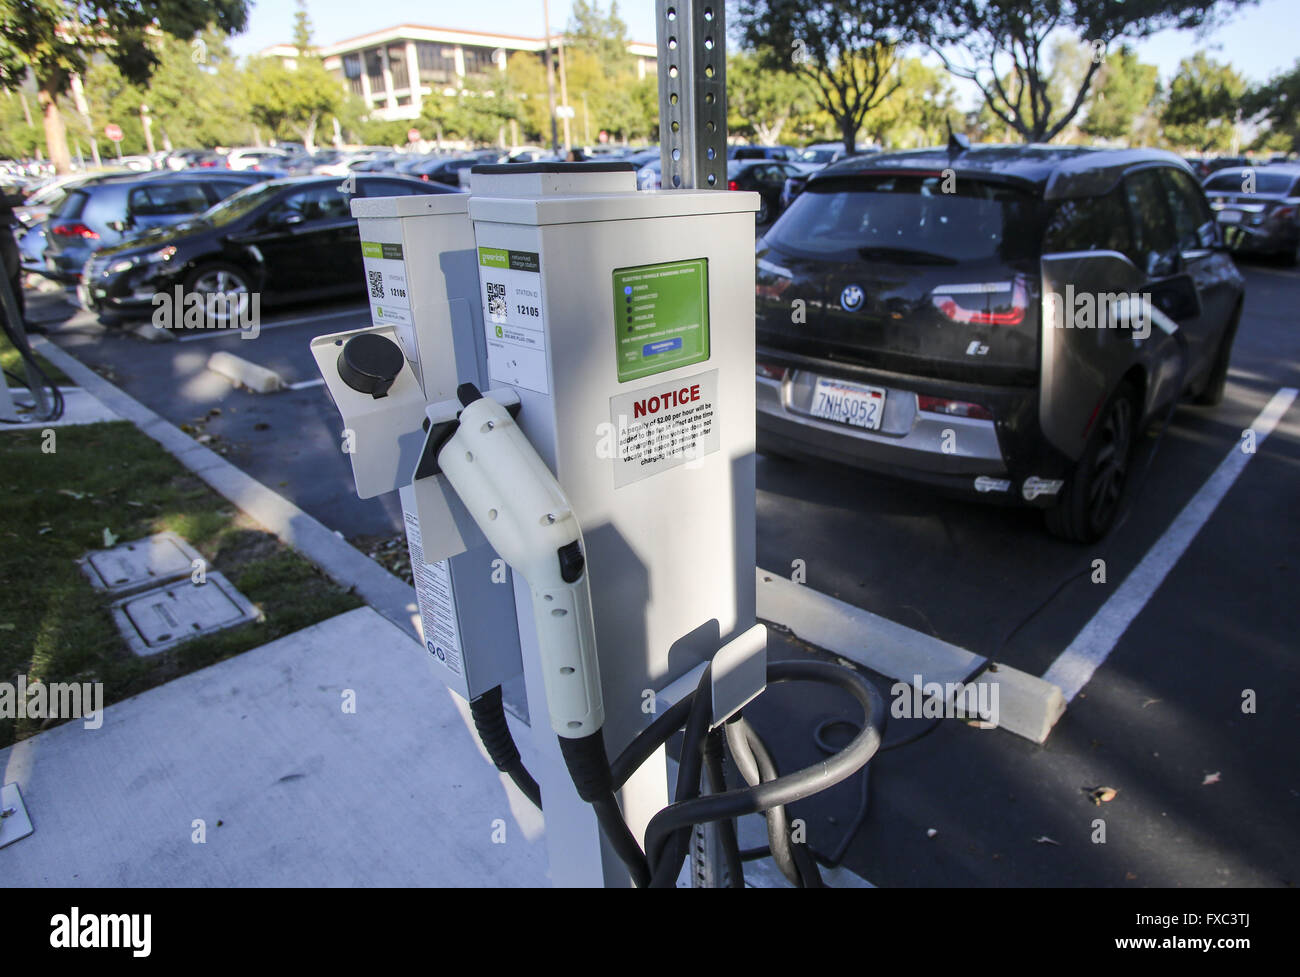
{"type": "Point", "coordinates": [599, 343]}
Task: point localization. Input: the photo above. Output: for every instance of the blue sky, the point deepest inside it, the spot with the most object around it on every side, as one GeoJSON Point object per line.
{"type": "Point", "coordinates": [1258, 42]}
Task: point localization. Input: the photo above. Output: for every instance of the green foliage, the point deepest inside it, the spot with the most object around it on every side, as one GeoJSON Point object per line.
{"type": "Point", "coordinates": [847, 49]}
{"type": "Point", "coordinates": [290, 102]}
{"type": "Point", "coordinates": [764, 103]}
{"type": "Point", "coordinates": [977, 38]}
{"type": "Point", "coordinates": [1277, 103]}
{"type": "Point", "coordinates": [1124, 98]}
{"type": "Point", "coordinates": [19, 140]}
{"type": "Point", "coordinates": [1204, 102]}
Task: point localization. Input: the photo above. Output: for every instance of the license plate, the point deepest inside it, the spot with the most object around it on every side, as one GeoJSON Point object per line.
{"type": "Point", "coordinates": [848, 403]}
{"type": "Point", "coordinates": [1229, 217]}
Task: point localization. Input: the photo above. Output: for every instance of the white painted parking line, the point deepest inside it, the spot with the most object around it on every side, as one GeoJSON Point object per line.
{"type": "Point", "coordinates": [304, 384]}
{"type": "Point", "coordinates": [359, 313]}
{"type": "Point", "coordinates": [1091, 646]}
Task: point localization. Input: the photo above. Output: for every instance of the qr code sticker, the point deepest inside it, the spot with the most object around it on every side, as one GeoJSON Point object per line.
{"type": "Point", "coordinates": [376, 283]}
{"type": "Point", "coordinates": [497, 306]}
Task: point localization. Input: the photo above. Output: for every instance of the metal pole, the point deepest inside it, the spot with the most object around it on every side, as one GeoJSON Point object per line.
{"type": "Point", "coordinates": [550, 81]}
{"type": "Point", "coordinates": [693, 155]}
{"type": "Point", "coordinates": [692, 93]}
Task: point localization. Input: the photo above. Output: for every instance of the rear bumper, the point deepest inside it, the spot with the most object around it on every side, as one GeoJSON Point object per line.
{"type": "Point", "coordinates": [1262, 240]}
{"type": "Point", "coordinates": [1005, 459]}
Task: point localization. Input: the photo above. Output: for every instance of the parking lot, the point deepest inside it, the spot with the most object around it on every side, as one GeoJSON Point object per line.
{"type": "Point", "coordinates": [1207, 794]}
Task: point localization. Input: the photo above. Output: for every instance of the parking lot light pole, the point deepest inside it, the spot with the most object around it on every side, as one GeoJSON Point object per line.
{"type": "Point", "coordinates": [692, 94]}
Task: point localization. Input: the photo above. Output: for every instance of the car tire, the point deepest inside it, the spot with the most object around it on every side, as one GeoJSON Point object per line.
{"type": "Point", "coordinates": [1094, 492]}
{"type": "Point", "coordinates": [217, 277]}
{"type": "Point", "coordinates": [763, 215]}
{"type": "Point", "coordinates": [1212, 392]}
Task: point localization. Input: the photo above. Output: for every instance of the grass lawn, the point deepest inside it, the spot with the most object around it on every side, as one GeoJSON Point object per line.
{"type": "Point", "coordinates": [13, 362]}
{"type": "Point", "coordinates": [55, 506]}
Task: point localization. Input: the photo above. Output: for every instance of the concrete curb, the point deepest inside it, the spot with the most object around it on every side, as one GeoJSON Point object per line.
{"type": "Point", "coordinates": [343, 563]}
{"type": "Point", "coordinates": [1027, 705]}
{"type": "Point", "coordinates": [239, 370]}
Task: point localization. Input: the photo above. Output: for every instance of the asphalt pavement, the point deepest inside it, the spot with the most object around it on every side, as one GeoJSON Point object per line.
{"type": "Point", "coordinates": [1206, 794]}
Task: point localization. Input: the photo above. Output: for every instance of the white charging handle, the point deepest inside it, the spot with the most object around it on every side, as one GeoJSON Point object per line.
{"type": "Point", "coordinates": [521, 509]}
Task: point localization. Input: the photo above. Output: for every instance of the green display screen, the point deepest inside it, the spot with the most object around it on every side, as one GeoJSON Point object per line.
{"type": "Point", "coordinates": [661, 317]}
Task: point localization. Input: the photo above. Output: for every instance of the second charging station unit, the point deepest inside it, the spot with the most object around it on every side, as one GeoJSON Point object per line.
{"type": "Point", "coordinates": [559, 381]}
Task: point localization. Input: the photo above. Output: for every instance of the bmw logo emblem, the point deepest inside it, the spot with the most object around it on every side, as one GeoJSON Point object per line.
{"type": "Point", "coordinates": [851, 298]}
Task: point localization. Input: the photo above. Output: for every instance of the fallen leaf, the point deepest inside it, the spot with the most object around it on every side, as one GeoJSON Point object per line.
{"type": "Point", "coordinates": [1044, 840]}
{"type": "Point", "coordinates": [1150, 702]}
{"type": "Point", "coordinates": [1100, 795]}
{"type": "Point", "coordinates": [931, 832]}
{"type": "Point", "coordinates": [76, 495]}
{"type": "Point", "coordinates": [109, 538]}
{"type": "Point", "coordinates": [1210, 778]}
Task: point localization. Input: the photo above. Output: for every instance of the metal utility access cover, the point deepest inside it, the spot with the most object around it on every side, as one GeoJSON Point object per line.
{"type": "Point", "coordinates": [161, 618]}
{"type": "Point", "coordinates": [129, 567]}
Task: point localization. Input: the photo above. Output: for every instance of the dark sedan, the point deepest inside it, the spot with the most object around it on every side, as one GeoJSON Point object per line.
{"type": "Point", "coordinates": [1258, 210]}
{"type": "Point", "coordinates": [112, 211]}
{"type": "Point", "coordinates": [767, 177]}
{"type": "Point", "coordinates": [286, 239]}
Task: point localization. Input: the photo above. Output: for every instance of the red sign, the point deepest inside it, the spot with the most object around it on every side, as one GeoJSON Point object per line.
{"type": "Point", "coordinates": [113, 132]}
{"type": "Point", "coordinates": [412, 135]}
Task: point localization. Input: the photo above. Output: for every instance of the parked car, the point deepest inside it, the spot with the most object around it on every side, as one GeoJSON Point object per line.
{"type": "Point", "coordinates": [767, 177]}
{"type": "Point", "coordinates": [110, 211]}
{"type": "Point", "coordinates": [246, 159]}
{"type": "Point", "coordinates": [285, 239]}
{"type": "Point", "coordinates": [443, 170]}
{"type": "Point", "coordinates": [794, 184]}
{"type": "Point", "coordinates": [921, 314]}
{"type": "Point", "coordinates": [1258, 209]}
{"type": "Point", "coordinates": [761, 152]}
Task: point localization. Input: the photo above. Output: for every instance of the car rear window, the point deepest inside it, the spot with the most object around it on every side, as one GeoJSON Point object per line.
{"type": "Point", "coordinates": [1265, 182]}
{"type": "Point", "coordinates": [1089, 224]}
{"type": "Point", "coordinates": [72, 206]}
{"type": "Point", "coordinates": [909, 217]}
{"type": "Point", "coordinates": [167, 200]}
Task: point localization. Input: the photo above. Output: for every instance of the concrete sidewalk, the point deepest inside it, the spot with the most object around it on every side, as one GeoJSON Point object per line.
{"type": "Point", "coordinates": [292, 789]}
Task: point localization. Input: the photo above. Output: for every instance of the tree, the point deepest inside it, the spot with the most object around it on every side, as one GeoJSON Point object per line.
{"type": "Point", "coordinates": [761, 102]}
{"type": "Point", "coordinates": [601, 34]}
{"type": "Point", "coordinates": [1125, 93]}
{"type": "Point", "coordinates": [1203, 106]}
{"type": "Point", "coordinates": [919, 113]}
{"type": "Point", "coordinates": [302, 30]}
{"type": "Point", "coordinates": [847, 49]}
{"type": "Point", "coordinates": [55, 39]}
{"type": "Point", "coordinates": [1277, 104]}
{"type": "Point", "coordinates": [1001, 46]}
{"type": "Point", "coordinates": [290, 101]}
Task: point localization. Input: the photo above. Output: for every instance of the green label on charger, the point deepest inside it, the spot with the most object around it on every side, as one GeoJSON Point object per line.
{"type": "Point", "coordinates": [661, 317]}
{"type": "Point", "coordinates": [374, 249]}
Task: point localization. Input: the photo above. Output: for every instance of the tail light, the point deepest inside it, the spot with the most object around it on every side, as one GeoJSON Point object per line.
{"type": "Point", "coordinates": [953, 408]}
{"type": "Point", "coordinates": [770, 371]}
{"type": "Point", "coordinates": [733, 185]}
{"type": "Point", "coordinates": [424, 177]}
{"type": "Point", "coordinates": [75, 230]}
{"type": "Point", "coordinates": [1283, 213]}
{"type": "Point", "coordinates": [975, 303]}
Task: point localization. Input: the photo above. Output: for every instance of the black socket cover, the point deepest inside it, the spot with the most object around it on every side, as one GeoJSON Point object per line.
{"type": "Point", "coordinates": [369, 364]}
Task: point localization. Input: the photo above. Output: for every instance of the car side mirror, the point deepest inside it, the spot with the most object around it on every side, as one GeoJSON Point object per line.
{"type": "Point", "coordinates": [1176, 297]}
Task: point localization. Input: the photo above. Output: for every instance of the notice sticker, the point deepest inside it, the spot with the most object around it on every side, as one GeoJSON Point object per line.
{"type": "Point", "coordinates": [661, 317]}
{"type": "Point", "coordinates": [662, 426]}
